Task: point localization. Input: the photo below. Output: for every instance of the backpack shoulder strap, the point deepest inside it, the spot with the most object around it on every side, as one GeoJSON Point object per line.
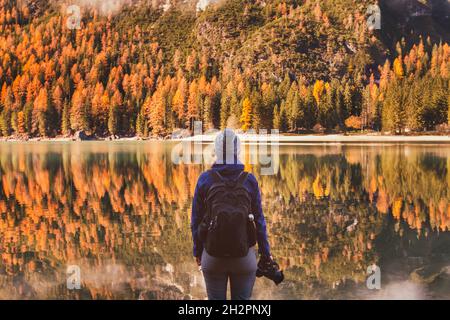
{"type": "Point", "coordinates": [217, 177]}
{"type": "Point", "coordinates": [220, 179]}
{"type": "Point", "coordinates": [241, 178]}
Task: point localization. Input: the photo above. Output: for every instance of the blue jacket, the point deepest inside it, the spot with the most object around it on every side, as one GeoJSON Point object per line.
{"type": "Point", "coordinates": [198, 206]}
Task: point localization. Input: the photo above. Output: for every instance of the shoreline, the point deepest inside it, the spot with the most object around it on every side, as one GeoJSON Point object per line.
{"type": "Point", "coordinates": [332, 138]}
{"type": "Point", "coordinates": [253, 138]}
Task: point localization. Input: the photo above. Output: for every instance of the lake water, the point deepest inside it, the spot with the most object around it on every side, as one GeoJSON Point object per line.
{"type": "Point", "coordinates": [120, 211]}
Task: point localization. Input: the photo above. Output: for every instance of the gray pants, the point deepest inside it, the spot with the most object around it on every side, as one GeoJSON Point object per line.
{"type": "Point", "coordinates": [240, 271]}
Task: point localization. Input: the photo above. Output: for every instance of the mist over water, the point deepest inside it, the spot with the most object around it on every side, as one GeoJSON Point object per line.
{"type": "Point", "coordinates": [403, 290]}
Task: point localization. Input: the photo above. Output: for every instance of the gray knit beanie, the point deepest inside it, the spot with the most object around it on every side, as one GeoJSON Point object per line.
{"type": "Point", "coordinates": [227, 147]}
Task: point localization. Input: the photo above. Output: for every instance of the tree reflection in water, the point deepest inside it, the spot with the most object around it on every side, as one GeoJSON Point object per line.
{"type": "Point", "coordinates": [121, 212]}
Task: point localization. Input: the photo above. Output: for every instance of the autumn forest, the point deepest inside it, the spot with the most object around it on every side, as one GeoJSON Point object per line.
{"type": "Point", "coordinates": [298, 66]}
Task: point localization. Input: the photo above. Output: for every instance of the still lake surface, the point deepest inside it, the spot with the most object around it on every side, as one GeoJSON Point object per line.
{"type": "Point", "coordinates": [121, 212]}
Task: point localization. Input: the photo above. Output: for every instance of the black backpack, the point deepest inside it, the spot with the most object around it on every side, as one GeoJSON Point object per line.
{"type": "Point", "coordinates": [225, 229]}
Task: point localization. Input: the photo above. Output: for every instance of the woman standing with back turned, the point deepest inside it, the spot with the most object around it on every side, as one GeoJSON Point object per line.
{"type": "Point", "coordinates": [227, 221]}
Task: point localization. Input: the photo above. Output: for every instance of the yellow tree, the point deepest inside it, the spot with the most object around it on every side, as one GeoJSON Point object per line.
{"type": "Point", "coordinates": [398, 68]}
{"type": "Point", "coordinates": [193, 103]}
{"type": "Point", "coordinates": [448, 106]}
{"type": "Point", "coordinates": [97, 107]}
{"type": "Point", "coordinates": [21, 122]}
{"type": "Point", "coordinates": [78, 120]}
{"type": "Point", "coordinates": [318, 90]}
{"type": "Point", "coordinates": [246, 116]}
{"type": "Point", "coordinates": [3, 94]}
{"type": "Point", "coordinates": [39, 112]}
{"type": "Point", "coordinates": [385, 73]}
{"type": "Point", "coordinates": [157, 106]}
{"type": "Point", "coordinates": [179, 99]}
{"type": "Point", "coordinates": [114, 116]}
{"type": "Point", "coordinates": [57, 97]}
